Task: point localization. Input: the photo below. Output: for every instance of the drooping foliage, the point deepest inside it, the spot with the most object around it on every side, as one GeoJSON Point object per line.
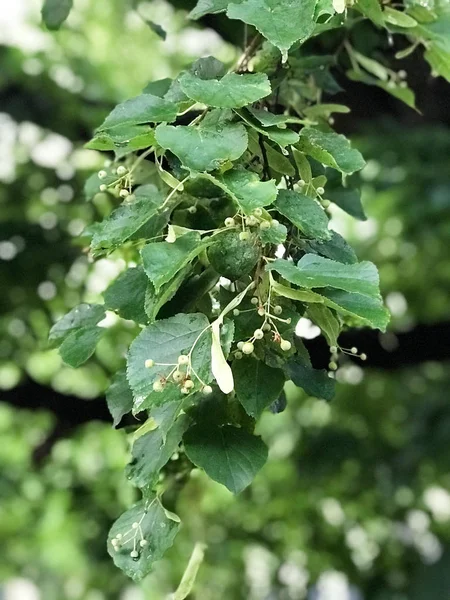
{"type": "Point", "coordinates": [219, 183]}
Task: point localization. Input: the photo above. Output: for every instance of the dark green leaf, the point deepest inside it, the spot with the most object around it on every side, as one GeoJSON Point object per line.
{"type": "Point", "coordinates": [305, 213]}
{"type": "Point", "coordinates": [126, 295]}
{"type": "Point", "coordinates": [163, 260]}
{"type": "Point", "coordinates": [229, 455]}
{"type": "Point", "coordinates": [119, 397]}
{"type": "Point", "coordinates": [314, 382]}
{"type": "Point", "coordinates": [125, 220]}
{"type": "Point", "coordinates": [336, 248]}
{"type": "Point", "coordinates": [55, 12]}
{"type": "Point", "coordinates": [256, 385]}
{"type": "Point", "coordinates": [152, 450]}
{"type": "Point", "coordinates": [83, 315]}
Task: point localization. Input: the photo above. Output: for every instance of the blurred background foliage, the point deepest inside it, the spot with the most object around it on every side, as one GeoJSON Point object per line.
{"type": "Point", "coordinates": [355, 501]}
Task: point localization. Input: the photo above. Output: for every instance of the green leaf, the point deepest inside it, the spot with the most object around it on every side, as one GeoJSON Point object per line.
{"type": "Point", "coordinates": [207, 67]}
{"type": "Point", "coordinates": [125, 220]}
{"type": "Point", "coordinates": [55, 12]}
{"type": "Point", "coordinates": [156, 28]}
{"type": "Point", "coordinates": [153, 450]}
{"type": "Point", "coordinates": [349, 199]}
{"type": "Point", "coordinates": [398, 18]}
{"type": "Point", "coordinates": [229, 455]}
{"type": "Point", "coordinates": [232, 91]}
{"type": "Point", "coordinates": [326, 320]}
{"type": "Point", "coordinates": [439, 60]}
{"type": "Point", "coordinates": [256, 385]}
{"type": "Point", "coordinates": [276, 234]}
{"type": "Point", "coordinates": [331, 149]}
{"type": "Point", "coordinates": [163, 342]}
{"type": "Point", "coordinates": [336, 248]}
{"type": "Point", "coordinates": [80, 345]}
{"type": "Point", "coordinates": [372, 10]}
{"type": "Point", "coordinates": [282, 22]}
{"type": "Point", "coordinates": [314, 382]}
{"type": "Point", "coordinates": [155, 301]}
{"type": "Point", "coordinates": [305, 213]}
{"type": "Point", "coordinates": [203, 148]}
{"type": "Point", "coordinates": [282, 137]}
{"type": "Point", "coordinates": [142, 109]}
{"type": "Point", "coordinates": [367, 309]}
{"type": "Point", "coordinates": [401, 93]}
{"type": "Point", "coordinates": [325, 110]}
{"type": "Point", "coordinates": [314, 271]}
{"type": "Point", "coordinates": [159, 88]}
{"type": "Point", "coordinates": [268, 119]}
{"type": "Point", "coordinates": [122, 139]}
{"type": "Point", "coordinates": [303, 166]}
{"type": "Point", "coordinates": [278, 162]}
{"type": "Point", "coordinates": [126, 295]}
{"type": "Point", "coordinates": [83, 315]}
{"type": "Point", "coordinates": [157, 526]}
{"type": "Point", "coordinates": [119, 397]}
{"type": "Point", "coordinates": [206, 7]}
{"type": "Point", "coordinates": [246, 189]}
{"type": "Point", "coordinates": [163, 260]}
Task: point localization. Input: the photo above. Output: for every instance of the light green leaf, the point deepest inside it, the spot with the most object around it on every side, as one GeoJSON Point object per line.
{"type": "Point", "coordinates": [229, 455]}
{"type": "Point", "coordinates": [276, 234]}
{"type": "Point", "coordinates": [83, 315]}
{"type": "Point", "coordinates": [119, 397]}
{"type": "Point", "coordinates": [303, 166]}
{"type": "Point", "coordinates": [123, 139]}
{"type": "Point", "coordinates": [372, 10]}
{"type": "Point", "coordinates": [398, 18]}
{"type": "Point", "coordinates": [203, 148]}
{"type": "Point", "coordinates": [55, 12]}
{"type": "Point", "coordinates": [369, 310]}
{"type": "Point", "coordinates": [163, 342]}
{"type": "Point", "coordinates": [325, 110]}
{"type": "Point", "coordinates": [206, 7]}
{"type": "Point", "coordinates": [126, 295]}
{"type": "Point", "coordinates": [305, 213]}
{"type": "Point", "coordinates": [163, 260]}
{"type": "Point", "coordinates": [156, 525]}
{"type": "Point", "coordinates": [142, 109]}
{"type": "Point", "coordinates": [314, 382]}
{"type": "Point", "coordinates": [314, 271]}
{"type": "Point", "coordinates": [232, 91]}
{"type": "Point", "coordinates": [331, 149]}
{"type": "Point", "coordinates": [246, 189]}
{"type": "Point", "coordinates": [256, 384]}
{"type": "Point", "coordinates": [439, 60]}
{"type": "Point", "coordinates": [282, 22]}
{"type": "Point", "coordinates": [152, 450]}
{"type": "Point", "coordinates": [219, 366]}
{"type": "Point", "coordinates": [80, 345]}
{"type": "Point", "coordinates": [125, 220]}
{"type": "Point", "coordinates": [326, 320]}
